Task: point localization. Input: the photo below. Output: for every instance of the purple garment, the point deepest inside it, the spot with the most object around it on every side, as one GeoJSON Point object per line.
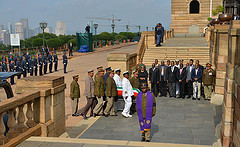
{"type": "Point", "coordinates": [148, 120]}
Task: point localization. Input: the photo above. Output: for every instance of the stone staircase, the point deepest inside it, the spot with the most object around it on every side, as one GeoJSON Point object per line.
{"type": "Point", "coordinates": [173, 52]}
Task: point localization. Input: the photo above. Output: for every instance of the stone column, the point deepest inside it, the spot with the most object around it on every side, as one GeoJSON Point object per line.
{"type": "Point", "coordinates": [118, 60]}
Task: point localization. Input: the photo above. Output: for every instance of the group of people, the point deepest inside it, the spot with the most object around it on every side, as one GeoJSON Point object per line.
{"type": "Point", "coordinates": [180, 79]}
{"type": "Point", "coordinates": [26, 63]}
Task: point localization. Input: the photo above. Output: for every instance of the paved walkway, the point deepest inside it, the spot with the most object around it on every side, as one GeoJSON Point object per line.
{"type": "Point", "coordinates": [186, 42]}
{"type": "Point", "coordinates": [176, 121]}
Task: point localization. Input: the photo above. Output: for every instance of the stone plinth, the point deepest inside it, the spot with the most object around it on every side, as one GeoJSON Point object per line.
{"type": "Point", "coordinates": [118, 60]}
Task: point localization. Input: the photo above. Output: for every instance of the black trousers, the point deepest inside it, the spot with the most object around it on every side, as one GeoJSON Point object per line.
{"type": "Point", "coordinates": [35, 70]}
{"type": "Point", "coordinates": [24, 72]}
{"type": "Point", "coordinates": [65, 67]}
{"type": "Point", "coordinates": [182, 88]}
{"type": "Point", "coordinates": [45, 68]}
{"type": "Point", "coordinates": [163, 87]}
{"type": "Point", "coordinates": [40, 70]}
{"type": "Point", "coordinates": [50, 66]}
{"type": "Point", "coordinates": [12, 80]}
{"type": "Point", "coordinates": [31, 71]}
{"type": "Point", "coordinates": [55, 66]}
{"type": "Point", "coordinates": [19, 76]}
{"type": "Point", "coordinates": [70, 52]}
{"type": "Point", "coordinates": [190, 88]}
{"type": "Point", "coordinates": [154, 89]}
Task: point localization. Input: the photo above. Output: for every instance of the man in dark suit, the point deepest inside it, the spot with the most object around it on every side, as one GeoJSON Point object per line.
{"type": "Point", "coordinates": [154, 79]}
{"type": "Point", "coordinates": [163, 79]}
{"type": "Point", "coordinates": [182, 74]}
{"type": "Point", "coordinates": [172, 79]}
{"type": "Point", "coordinates": [202, 68]}
{"type": "Point", "coordinates": [189, 81]}
{"type": "Point", "coordinates": [197, 81]}
{"type": "Point", "coordinates": [70, 46]}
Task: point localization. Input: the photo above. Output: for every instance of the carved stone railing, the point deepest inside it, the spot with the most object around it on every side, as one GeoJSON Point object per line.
{"type": "Point", "coordinates": [37, 111]}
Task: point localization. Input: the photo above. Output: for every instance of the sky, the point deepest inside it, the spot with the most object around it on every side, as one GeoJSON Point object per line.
{"type": "Point", "coordinates": [145, 13]}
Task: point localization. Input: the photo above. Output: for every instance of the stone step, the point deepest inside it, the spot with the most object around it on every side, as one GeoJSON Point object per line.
{"type": "Point", "coordinates": [177, 52]}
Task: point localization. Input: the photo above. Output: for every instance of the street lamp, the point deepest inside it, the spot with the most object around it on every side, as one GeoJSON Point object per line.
{"type": "Point", "coordinates": [113, 26]}
{"type": "Point", "coordinates": [127, 26]}
{"type": "Point", "coordinates": [43, 25]}
{"type": "Point", "coordinates": [95, 27]}
{"type": "Point", "coordinates": [139, 28]}
{"type": "Point", "coordinates": [147, 28]}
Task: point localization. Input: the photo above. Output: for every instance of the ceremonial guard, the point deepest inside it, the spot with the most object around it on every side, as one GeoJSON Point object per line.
{"type": "Point", "coordinates": [89, 93]}
{"type": "Point", "coordinates": [11, 69]}
{"type": "Point", "coordinates": [27, 57]}
{"type": "Point", "coordinates": [21, 57]}
{"type": "Point", "coordinates": [16, 57]}
{"type": "Point", "coordinates": [127, 94]}
{"type": "Point", "coordinates": [146, 108]}
{"type": "Point", "coordinates": [111, 92]}
{"type": "Point", "coordinates": [208, 81]}
{"type": "Point", "coordinates": [24, 67]}
{"type": "Point", "coordinates": [10, 58]}
{"type": "Point", "coordinates": [65, 62]}
{"type": "Point", "coordinates": [40, 64]}
{"type": "Point", "coordinates": [105, 77]}
{"type": "Point", "coordinates": [117, 78]}
{"type": "Point", "coordinates": [75, 95]}
{"type": "Point", "coordinates": [45, 62]}
{"type": "Point", "coordinates": [98, 69]}
{"type": "Point", "coordinates": [50, 61]}
{"type": "Point", "coordinates": [55, 60]}
{"type": "Point", "coordinates": [4, 66]}
{"type": "Point", "coordinates": [134, 80]}
{"type": "Point", "coordinates": [18, 67]}
{"type": "Point", "coordinates": [99, 93]}
{"type": "Point", "coordinates": [4, 59]}
{"type": "Point", "coordinates": [35, 64]}
{"type": "Point", "coordinates": [30, 65]}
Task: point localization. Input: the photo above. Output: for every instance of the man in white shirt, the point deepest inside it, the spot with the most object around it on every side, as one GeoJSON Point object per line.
{"type": "Point", "coordinates": [127, 94]}
{"type": "Point", "coordinates": [117, 78]}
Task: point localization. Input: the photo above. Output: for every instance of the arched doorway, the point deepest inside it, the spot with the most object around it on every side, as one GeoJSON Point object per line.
{"type": "Point", "coordinates": [194, 7]}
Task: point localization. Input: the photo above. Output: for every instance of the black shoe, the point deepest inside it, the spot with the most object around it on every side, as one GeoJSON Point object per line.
{"type": "Point", "coordinates": [106, 115]}
{"type": "Point", "coordinates": [94, 115]}
{"type": "Point", "coordinates": [189, 97]}
{"type": "Point", "coordinates": [193, 98]}
{"type": "Point", "coordinates": [199, 99]}
{"type": "Point", "coordinates": [147, 140]}
{"type": "Point", "coordinates": [143, 139]}
{"type": "Point", "coordinates": [174, 96]}
{"type": "Point", "coordinates": [84, 116]}
{"type": "Point", "coordinates": [75, 115]}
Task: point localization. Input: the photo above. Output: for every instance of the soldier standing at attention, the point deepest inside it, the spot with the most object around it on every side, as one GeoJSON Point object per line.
{"type": "Point", "coordinates": [146, 108]}
{"type": "Point", "coordinates": [40, 63]}
{"type": "Point", "coordinates": [16, 57]}
{"type": "Point", "coordinates": [89, 93]}
{"type": "Point", "coordinates": [18, 67]}
{"type": "Point", "coordinates": [27, 57]}
{"type": "Point", "coordinates": [45, 62]}
{"type": "Point", "coordinates": [4, 66]}
{"type": "Point", "coordinates": [55, 60]}
{"type": "Point", "coordinates": [134, 80]}
{"type": "Point", "coordinates": [111, 92]}
{"type": "Point", "coordinates": [75, 95]}
{"type": "Point", "coordinates": [11, 69]}
{"type": "Point", "coordinates": [99, 93]}
{"type": "Point", "coordinates": [65, 62]}
{"type": "Point", "coordinates": [30, 65]}
{"type": "Point", "coordinates": [208, 81]}
{"type": "Point", "coordinates": [50, 61]}
{"type": "Point", "coordinates": [35, 64]}
{"type": "Point", "coordinates": [24, 66]}
{"type": "Point", "coordinates": [21, 57]}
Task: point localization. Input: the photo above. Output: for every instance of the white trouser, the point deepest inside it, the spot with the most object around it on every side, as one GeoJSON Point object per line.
{"type": "Point", "coordinates": [128, 104]}
{"type": "Point", "coordinates": [177, 89]}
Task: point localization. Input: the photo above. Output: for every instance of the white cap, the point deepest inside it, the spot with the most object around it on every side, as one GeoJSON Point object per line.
{"type": "Point", "coordinates": [126, 72]}
{"type": "Point", "coordinates": [118, 70]}
{"type": "Point", "coordinates": [91, 70]}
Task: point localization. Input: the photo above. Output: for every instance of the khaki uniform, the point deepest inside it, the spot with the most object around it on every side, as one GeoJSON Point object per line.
{"type": "Point", "coordinates": [74, 95]}
{"type": "Point", "coordinates": [146, 134]}
{"type": "Point", "coordinates": [208, 81]}
{"type": "Point", "coordinates": [99, 93]}
{"type": "Point", "coordinates": [134, 82]}
{"type": "Point", "coordinates": [111, 92]}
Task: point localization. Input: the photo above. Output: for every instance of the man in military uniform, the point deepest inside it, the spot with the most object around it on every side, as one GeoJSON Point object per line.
{"type": "Point", "coordinates": [75, 95]}
{"type": "Point", "coordinates": [10, 58]}
{"type": "Point", "coordinates": [24, 66]}
{"type": "Point", "coordinates": [40, 63]}
{"type": "Point", "coordinates": [55, 60]}
{"type": "Point", "coordinates": [146, 108]}
{"type": "Point", "coordinates": [45, 62]}
{"type": "Point", "coordinates": [134, 80]}
{"type": "Point", "coordinates": [16, 57]}
{"type": "Point", "coordinates": [50, 61]}
{"type": "Point", "coordinates": [21, 57]}
{"type": "Point", "coordinates": [98, 69]}
{"type": "Point", "coordinates": [4, 66]}
{"type": "Point", "coordinates": [30, 65]}
{"type": "Point", "coordinates": [4, 59]}
{"type": "Point", "coordinates": [99, 93]}
{"type": "Point", "coordinates": [208, 81]}
{"type": "Point", "coordinates": [139, 65]}
{"type": "Point", "coordinates": [105, 77]}
{"type": "Point", "coordinates": [18, 67]}
{"type": "Point", "coordinates": [111, 92]}
{"type": "Point", "coordinates": [27, 57]}
{"type": "Point", "coordinates": [89, 93]}
{"type": "Point", "coordinates": [65, 62]}
{"type": "Point", "coordinates": [11, 69]}
{"type": "Point", "coordinates": [35, 64]}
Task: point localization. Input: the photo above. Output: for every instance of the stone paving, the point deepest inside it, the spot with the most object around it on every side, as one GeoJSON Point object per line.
{"type": "Point", "coordinates": [176, 121]}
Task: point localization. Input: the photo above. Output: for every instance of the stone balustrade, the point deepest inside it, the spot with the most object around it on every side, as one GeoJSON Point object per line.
{"type": "Point", "coordinates": [37, 111]}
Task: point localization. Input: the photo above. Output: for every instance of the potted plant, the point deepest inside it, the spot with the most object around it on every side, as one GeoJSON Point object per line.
{"type": "Point", "coordinates": [100, 43]}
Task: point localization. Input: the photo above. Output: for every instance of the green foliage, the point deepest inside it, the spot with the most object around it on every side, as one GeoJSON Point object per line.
{"type": "Point", "coordinates": [54, 42]}
{"type": "Point", "coordinates": [218, 10]}
{"type": "Point", "coordinates": [129, 35]}
{"type": "Point", "coordinates": [4, 47]}
{"type": "Point", "coordinates": [105, 36]}
{"type": "Point", "coordinates": [209, 18]}
{"type": "Point", "coordinates": [37, 42]}
{"type": "Point", "coordinates": [74, 41]}
{"type": "Point", "coordinates": [120, 37]}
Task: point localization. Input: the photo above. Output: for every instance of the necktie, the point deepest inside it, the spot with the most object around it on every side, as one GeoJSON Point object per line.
{"type": "Point", "coordinates": [180, 71]}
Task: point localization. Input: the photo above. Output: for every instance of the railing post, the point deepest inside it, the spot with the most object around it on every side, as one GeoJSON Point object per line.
{"type": "Point", "coordinates": [30, 123]}
{"type": "Point", "coordinates": [21, 119]}
{"type": "Point", "coordinates": [11, 124]}
{"type": "Point", "coordinates": [3, 139]}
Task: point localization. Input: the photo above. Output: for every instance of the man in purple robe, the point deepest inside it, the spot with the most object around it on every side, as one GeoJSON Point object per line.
{"type": "Point", "coordinates": [146, 109]}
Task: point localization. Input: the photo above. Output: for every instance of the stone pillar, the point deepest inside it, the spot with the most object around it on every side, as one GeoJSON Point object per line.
{"type": "Point", "coordinates": [220, 62]}
{"type": "Point", "coordinates": [118, 60]}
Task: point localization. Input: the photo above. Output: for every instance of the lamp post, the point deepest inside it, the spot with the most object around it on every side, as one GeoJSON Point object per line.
{"type": "Point", "coordinates": [43, 25]}
{"type": "Point", "coordinates": [139, 28]}
{"type": "Point", "coordinates": [95, 27]}
{"type": "Point", "coordinates": [127, 26]}
{"type": "Point", "coordinates": [147, 28]}
{"type": "Point", "coordinates": [113, 26]}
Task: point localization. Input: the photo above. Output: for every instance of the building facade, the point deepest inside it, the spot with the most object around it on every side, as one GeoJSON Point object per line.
{"type": "Point", "coordinates": [190, 17]}
{"type": "Point", "coordinates": [24, 22]}
{"type": "Point", "coordinates": [60, 28]}
{"type": "Point", "coordinates": [19, 30]}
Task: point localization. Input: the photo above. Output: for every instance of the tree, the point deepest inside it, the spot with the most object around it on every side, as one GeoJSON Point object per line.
{"type": "Point", "coordinates": [37, 42]}
{"type": "Point", "coordinates": [105, 36]}
{"type": "Point", "coordinates": [120, 37]}
{"type": "Point", "coordinates": [54, 42]}
{"type": "Point", "coordinates": [74, 41]}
